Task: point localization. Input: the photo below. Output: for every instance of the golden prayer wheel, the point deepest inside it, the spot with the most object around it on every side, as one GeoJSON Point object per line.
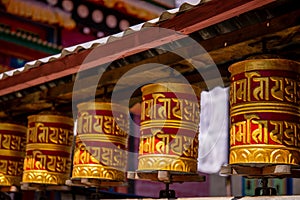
{"type": "Point", "coordinates": [101, 141]}
{"type": "Point", "coordinates": [264, 112]}
{"type": "Point", "coordinates": [12, 153]}
{"type": "Point", "coordinates": [48, 149]}
{"type": "Point", "coordinates": [170, 117]}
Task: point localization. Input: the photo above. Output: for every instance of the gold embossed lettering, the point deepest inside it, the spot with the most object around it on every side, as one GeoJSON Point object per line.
{"type": "Point", "coordinates": [277, 91]}
{"type": "Point", "coordinates": [177, 109]}
{"type": "Point", "coordinates": [43, 135]}
{"type": "Point", "coordinates": [262, 91]}
{"type": "Point", "coordinates": [164, 111]}
{"type": "Point", "coordinates": [290, 133]}
{"type": "Point", "coordinates": [249, 76]}
{"type": "Point", "coordinates": [261, 133]}
{"type": "Point", "coordinates": [39, 159]}
{"type": "Point", "coordinates": [176, 144]}
{"type": "Point", "coordinates": [53, 136]}
{"type": "Point", "coordinates": [12, 168]}
{"type": "Point", "coordinates": [61, 164]}
{"type": "Point", "coordinates": [15, 143]}
{"type": "Point", "coordinates": [6, 141]}
{"type": "Point", "coordinates": [51, 165]}
{"type": "Point", "coordinates": [241, 93]}
{"type": "Point", "coordinates": [109, 125]}
{"type": "Point", "coordinates": [291, 90]}
{"type": "Point", "coordinates": [3, 166]}
{"type": "Point", "coordinates": [163, 145]}
{"type": "Point", "coordinates": [98, 125]}
{"type": "Point", "coordinates": [147, 109]}
{"type": "Point", "coordinates": [277, 133]}
{"type": "Point", "coordinates": [32, 134]}
{"type": "Point", "coordinates": [241, 133]}
{"type": "Point", "coordinates": [87, 122]}
{"type": "Point", "coordinates": [107, 156]}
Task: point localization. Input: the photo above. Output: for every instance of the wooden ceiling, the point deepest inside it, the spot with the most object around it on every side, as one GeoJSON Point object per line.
{"type": "Point", "coordinates": [228, 32]}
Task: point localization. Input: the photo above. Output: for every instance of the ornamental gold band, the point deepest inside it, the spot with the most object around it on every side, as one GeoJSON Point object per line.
{"type": "Point", "coordinates": [48, 149]}
{"type": "Point", "coordinates": [101, 141]}
{"type": "Point", "coordinates": [170, 116]}
{"type": "Point", "coordinates": [12, 148]}
{"type": "Point", "coordinates": [265, 112]}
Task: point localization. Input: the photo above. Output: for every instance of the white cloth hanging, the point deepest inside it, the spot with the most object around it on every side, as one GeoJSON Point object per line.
{"type": "Point", "coordinates": [214, 133]}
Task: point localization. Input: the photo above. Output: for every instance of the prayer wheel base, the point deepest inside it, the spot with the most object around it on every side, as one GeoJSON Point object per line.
{"type": "Point", "coordinates": [91, 182]}
{"type": "Point", "coordinates": [165, 176]}
{"type": "Point", "coordinates": [261, 170]}
{"type": "Point", "coordinates": [43, 187]}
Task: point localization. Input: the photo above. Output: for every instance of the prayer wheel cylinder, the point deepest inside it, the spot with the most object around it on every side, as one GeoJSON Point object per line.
{"type": "Point", "coordinates": [48, 149]}
{"type": "Point", "coordinates": [12, 153]}
{"type": "Point", "coordinates": [170, 117]}
{"type": "Point", "coordinates": [264, 112]}
{"type": "Point", "coordinates": [101, 141]}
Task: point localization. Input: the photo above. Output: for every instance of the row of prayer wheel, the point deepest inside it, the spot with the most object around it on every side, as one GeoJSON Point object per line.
{"type": "Point", "coordinates": [41, 153]}
{"type": "Point", "coordinates": [264, 129]}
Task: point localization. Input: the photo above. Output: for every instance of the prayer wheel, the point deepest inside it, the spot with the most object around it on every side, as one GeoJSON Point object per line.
{"type": "Point", "coordinates": [101, 142]}
{"type": "Point", "coordinates": [264, 112]}
{"type": "Point", "coordinates": [48, 149]}
{"type": "Point", "coordinates": [170, 117]}
{"type": "Point", "coordinates": [12, 153]}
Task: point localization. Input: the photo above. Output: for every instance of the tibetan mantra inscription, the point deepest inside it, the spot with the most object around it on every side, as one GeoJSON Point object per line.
{"type": "Point", "coordinates": [48, 149]}
{"type": "Point", "coordinates": [12, 148]}
{"type": "Point", "coordinates": [170, 116]}
{"type": "Point", "coordinates": [264, 112]}
{"type": "Point", "coordinates": [101, 141]}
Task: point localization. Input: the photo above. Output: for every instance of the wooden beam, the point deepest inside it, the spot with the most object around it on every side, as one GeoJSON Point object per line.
{"type": "Point", "coordinates": [262, 29]}
{"type": "Point", "coordinates": [112, 76]}
{"type": "Point", "coordinates": [218, 52]}
{"type": "Point", "coordinates": [166, 176]}
{"type": "Point", "coordinates": [211, 13]}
